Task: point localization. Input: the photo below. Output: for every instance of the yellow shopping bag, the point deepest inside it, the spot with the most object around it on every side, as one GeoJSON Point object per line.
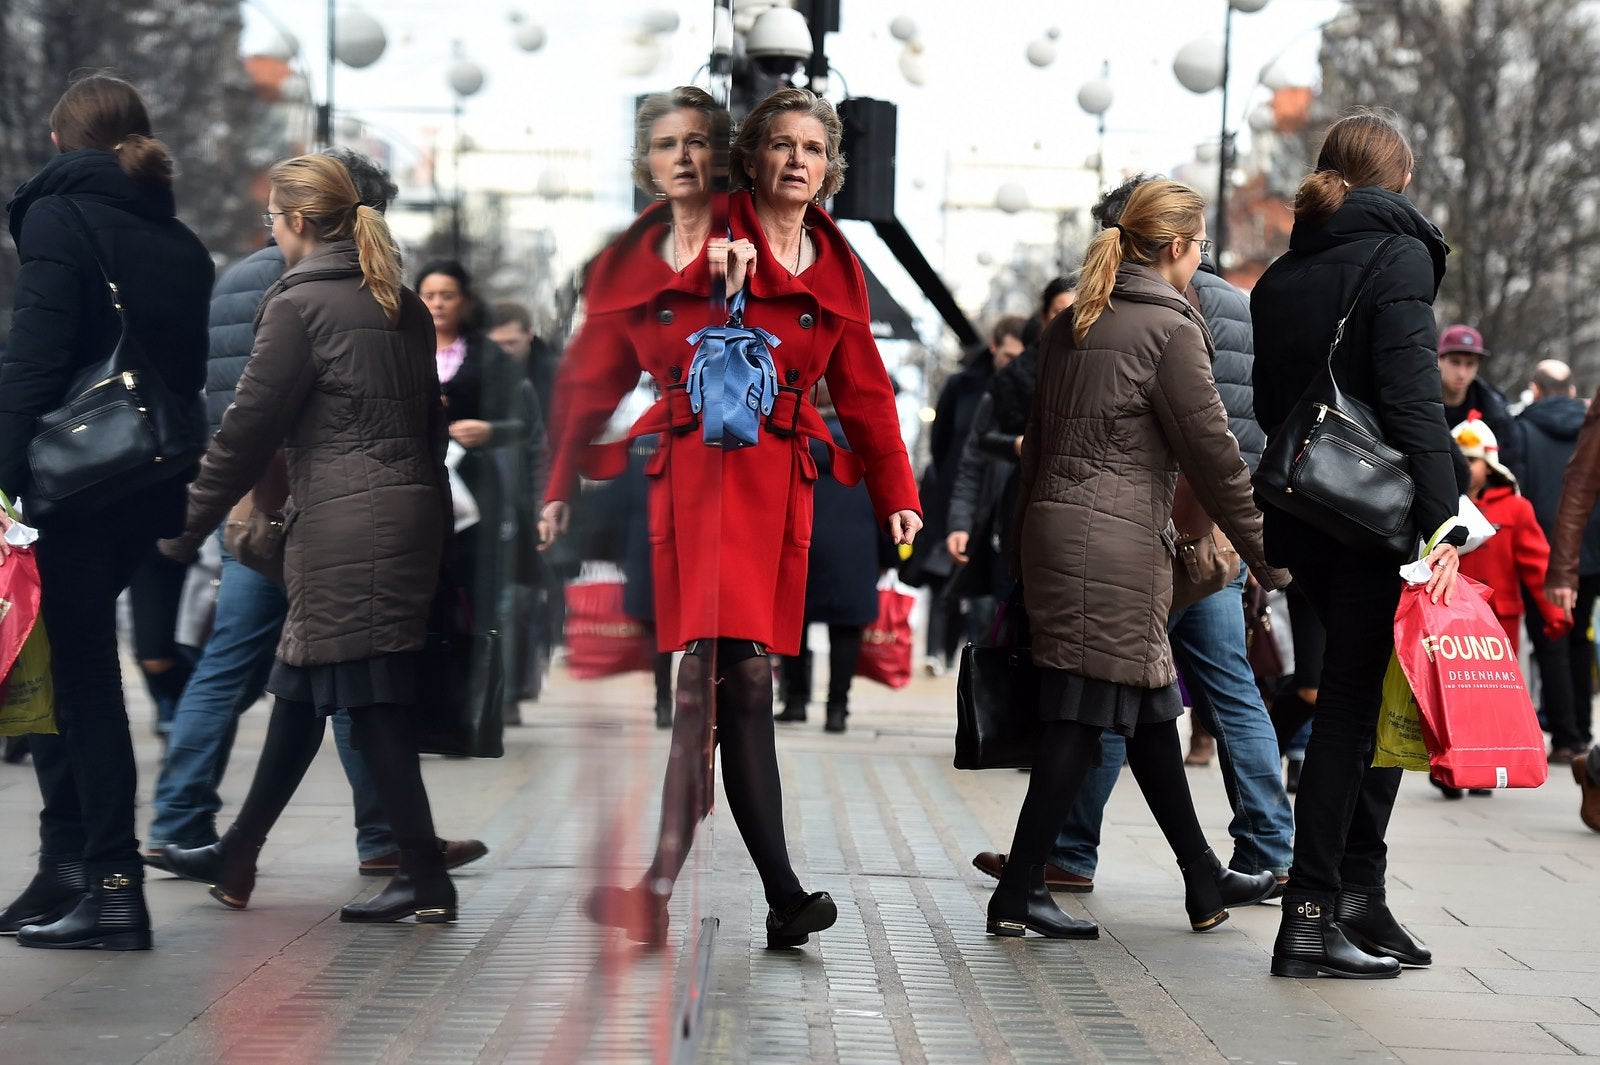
{"type": "Point", "coordinates": [1400, 740]}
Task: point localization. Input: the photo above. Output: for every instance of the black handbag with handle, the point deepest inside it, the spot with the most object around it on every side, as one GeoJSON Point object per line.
{"type": "Point", "coordinates": [461, 683]}
{"type": "Point", "coordinates": [121, 430]}
{"type": "Point", "coordinates": [1329, 466]}
{"type": "Point", "coordinates": [997, 699]}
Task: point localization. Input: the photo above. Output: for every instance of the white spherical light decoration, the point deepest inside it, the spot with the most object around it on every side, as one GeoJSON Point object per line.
{"type": "Point", "coordinates": [1275, 76]}
{"type": "Point", "coordinates": [1249, 7]}
{"type": "Point", "coordinates": [1198, 65]}
{"type": "Point", "coordinates": [661, 20]}
{"type": "Point", "coordinates": [530, 36]}
{"type": "Point", "coordinates": [1207, 152]}
{"type": "Point", "coordinates": [1041, 51]}
{"type": "Point", "coordinates": [639, 57]}
{"type": "Point", "coordinates": [985, 258]}
{"type": "Point", "coordinates": [903, 28]}
{"type": "Point", "coordinates": [552, 184]}
{"type": "Point", "coordinates": [912, 66]}
{"type": "Point", "coordinates": [1095, 97]}
{"type": "Point", "coordinates": [465, 77]}
{"type": "Point", "coordinates": [284, 46]}
{"type": "Point", "coordinates": [1011, 198]}
{"type": "Point", "coordinates": [1262, 119]}
{"type": "Point", "coordinates": [358, 38]}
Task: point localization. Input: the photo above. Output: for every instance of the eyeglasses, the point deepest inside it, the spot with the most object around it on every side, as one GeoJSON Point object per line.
{"type": "Point", "coordinates": [1205, 246]}
{"type": "Point", "coordinates": [268, 216]}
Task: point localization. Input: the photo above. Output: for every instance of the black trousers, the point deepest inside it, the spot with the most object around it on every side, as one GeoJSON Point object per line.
{"type": "Point", "coordinates": [1342, 809]}
{"type": "Point", "coordinates": [1566, 669]}
{"type": "Point", "coordinates": [86, 774]}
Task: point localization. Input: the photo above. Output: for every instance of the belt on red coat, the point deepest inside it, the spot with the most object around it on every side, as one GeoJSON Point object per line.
{"type": "Point", "coordinates": [793, 416]}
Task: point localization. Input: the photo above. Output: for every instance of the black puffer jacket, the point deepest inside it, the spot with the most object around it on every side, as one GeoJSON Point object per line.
{"type": "Point", "coordinates": [64, 320]}
{"type": "Point", "coordinates": [1227, 314]}
{"type": "Point", "coordinates": [1388, 356]}
{"type": "Point", "coordinates": [233, 314]}
{"type": "Point", "coordinates": [1547, 432]}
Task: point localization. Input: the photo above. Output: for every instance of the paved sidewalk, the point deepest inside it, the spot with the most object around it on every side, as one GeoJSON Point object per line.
{"type": "Point", "coordinates": [1501, 888]}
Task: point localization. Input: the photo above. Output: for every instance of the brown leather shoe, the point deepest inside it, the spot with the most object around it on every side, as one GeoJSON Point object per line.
{"type": "Point", "coordinates": [1055, 878]}
{"type": "Point", "coordinates": [1565, 755]}
{"type": "Point", "coordinates": [1589, 809]}
{"type": "Point", "coordinates": [457, 852]}
{"type": "Point", "coordinates": [1202, 746]}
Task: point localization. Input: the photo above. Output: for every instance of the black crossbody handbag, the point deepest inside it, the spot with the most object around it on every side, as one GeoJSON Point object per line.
{"type": "Point", "coordinates": [1329, 466]}
{"type": "Point", "coordinates": [121, 430]}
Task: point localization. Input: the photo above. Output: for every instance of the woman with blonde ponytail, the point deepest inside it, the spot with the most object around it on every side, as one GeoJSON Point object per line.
{"type": "Point", "coordinates": [1124, 400]}
{"type": "Point", "coordinates": [342, 379]}
{"type": "Point", "coordinates": [1353, 222]}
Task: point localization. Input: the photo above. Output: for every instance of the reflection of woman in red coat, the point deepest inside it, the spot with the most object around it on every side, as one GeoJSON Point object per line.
{"type": "Point", "coordinates": [730, 530]}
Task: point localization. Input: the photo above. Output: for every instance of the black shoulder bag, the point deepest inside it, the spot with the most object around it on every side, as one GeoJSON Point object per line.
{"type": "Point", "coordinates": [120, 431]}
{"type": "Point", "coordinates": [1328, 465]}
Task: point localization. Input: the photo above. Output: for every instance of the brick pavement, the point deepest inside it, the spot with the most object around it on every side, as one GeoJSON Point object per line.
{"type": "Point", "coordinates": [1501, 888]}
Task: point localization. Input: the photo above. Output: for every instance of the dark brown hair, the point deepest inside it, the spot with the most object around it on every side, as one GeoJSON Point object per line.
{"type": "Point", "coordinates": [1363, 148]}
{"type": "Point", "coordinates": [102, 111]}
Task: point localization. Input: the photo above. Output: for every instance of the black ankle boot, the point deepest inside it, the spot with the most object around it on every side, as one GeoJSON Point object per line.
{"type": "Point", "coordinates": [1023, 902]}
{"type": "Point", "coordinates": [638, 911]}
{"type": "Point", "coordinates": [664, 712]}
{"type": "Point", "coordinates": [1310, 944]}
{"type": "Point", "coordinates": [112, 916]}
{"type": "Point", "coordinates": [421, 889]}
{"type": "Point", "coordinates": [792, 713]}
{"type": "Point", "coordinates": [837, 712]}
{"type": "Point", "coordinates": [52, 894]}
{"type": "Point", "coordinates": [792, 926]}
{"type": "Point", "coordinates": [228, 865]}
{"type": "Point", "coordinates": [1209, 889]}
{"type": "Point", "coordinates": [1363, 915]}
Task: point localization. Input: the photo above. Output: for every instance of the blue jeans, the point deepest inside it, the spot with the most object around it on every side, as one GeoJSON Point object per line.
{"type": "Point", "coordinates": [227, 681]}
{"type": "Point", "coordinates": [1208, 642]}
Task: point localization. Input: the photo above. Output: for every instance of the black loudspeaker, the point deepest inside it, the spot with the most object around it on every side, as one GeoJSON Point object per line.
{"type": "Point", "coordinates": [869, 145]}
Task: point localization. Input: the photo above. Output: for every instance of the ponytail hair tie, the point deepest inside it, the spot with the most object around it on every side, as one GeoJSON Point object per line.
{"type": "Point", "coordinates": [1117, 227]}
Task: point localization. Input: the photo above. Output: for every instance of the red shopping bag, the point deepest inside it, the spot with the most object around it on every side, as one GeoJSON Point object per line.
{"type": "Point", "coordinates": [886, 643]}
{"type": "Point", "coordinates": [602, 640]}
{"type": "Point", "coordinates": [1477, 720]}
{"type": "Point", "coordinates": [19, 604]}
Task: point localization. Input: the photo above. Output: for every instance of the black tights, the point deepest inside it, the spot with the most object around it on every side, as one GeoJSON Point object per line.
{"type": "Point", "coordinates": [744, 728]}
{"type": "Point", "coordinates": [386, 738]}
{"type": "Point", "coordinates": [1066, 751]}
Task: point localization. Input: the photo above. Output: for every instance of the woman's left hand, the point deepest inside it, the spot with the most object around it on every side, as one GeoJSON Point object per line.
{"type": "Point", "coordinates": [903, 526]}
{"type": "Point", "coordinates": [470, 432]}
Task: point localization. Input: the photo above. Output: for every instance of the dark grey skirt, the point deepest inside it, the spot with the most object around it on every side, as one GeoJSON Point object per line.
{"type": "Point", "coordinates": [1068, 696]}
{"type": "Point", "coordinates": [386, 679]}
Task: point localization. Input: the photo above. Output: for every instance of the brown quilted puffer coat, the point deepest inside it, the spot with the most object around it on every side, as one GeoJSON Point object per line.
{"type": "Point", "coordinates": [353, 399]}
{"type": "Point", "coordinates": [1114, 419]}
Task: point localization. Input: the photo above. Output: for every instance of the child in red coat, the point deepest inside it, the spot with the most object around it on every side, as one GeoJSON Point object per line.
{"type": "Point", "coordinates": [1517, 554]}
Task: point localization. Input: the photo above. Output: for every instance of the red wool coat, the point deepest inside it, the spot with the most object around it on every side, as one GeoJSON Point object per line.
{"type": "Point", "coordinates": [1513, 558]}
{"type": "Point", "coordinates": [730, 531]}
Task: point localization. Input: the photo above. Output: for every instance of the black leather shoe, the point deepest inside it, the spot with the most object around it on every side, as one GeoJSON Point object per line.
{"type": "Point", "coordinates": [1444, 789]}
{"type": "Point", "coordinates": [836, 719]}
{"type": "Point", "coordinates": [805, 914]}
{"type": "Point", "coordinates": [792, 714]}
{"type": "Point", "coordinates": [228, 865]}
{"type": "Point", "coordinates": [640, 913]}
{"type": "Point", "coordinates": [1365, 919]}
{"type": "Point", "coordinates": [53, 893]}
{"type": "Point", "coordinates": [112, 916]}
{"type": "Point", "coordinates": [1310, 944]}
{"type": "Point", "coordinates": [1022, 902]}
{"type": "Point", "coordinates": [663, 713]}
{"type": "Point", "coordinates": [1209, 889]}
{"type": "Point", "coordinates": [421, 889]}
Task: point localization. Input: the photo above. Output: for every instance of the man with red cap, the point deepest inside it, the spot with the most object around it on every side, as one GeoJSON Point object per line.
{"type": "Point", "coordinates": [1461, 350]}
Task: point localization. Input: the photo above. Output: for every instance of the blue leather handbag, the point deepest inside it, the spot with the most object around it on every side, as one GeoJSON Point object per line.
{"type": "Point", "coordinates": [733, 383]}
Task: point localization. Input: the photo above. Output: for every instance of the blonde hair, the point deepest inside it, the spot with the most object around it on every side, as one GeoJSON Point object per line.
{"type": "Point", "coordinates": [1157, 214]}
{"type": "Point", "coordinates": [321, 191]}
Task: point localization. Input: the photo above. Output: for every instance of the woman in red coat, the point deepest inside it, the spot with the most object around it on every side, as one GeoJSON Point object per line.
{"type": "Point", "coordinates": [729, 529]}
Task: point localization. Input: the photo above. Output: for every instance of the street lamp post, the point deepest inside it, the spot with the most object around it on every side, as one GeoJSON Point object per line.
{"type": "Point", "coordinates": [466, 78]}
{"type": "Point", "coordinates": [1095, 97]}
{"type": "Point", "coordinates": [355, 39]}
{"type": "Point", "coordinates": [1199, 69]}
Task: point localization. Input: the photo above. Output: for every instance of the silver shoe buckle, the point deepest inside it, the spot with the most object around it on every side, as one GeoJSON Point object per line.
{"type": "Point", "coordinates": [116, 882]}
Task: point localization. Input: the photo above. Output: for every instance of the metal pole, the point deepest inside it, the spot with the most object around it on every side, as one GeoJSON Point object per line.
{"type": "Point", "coordinates": [325, 112]}
{"type": "Point", "coordinates": [1219, 233]}
{"type": "Point", "coordinates": [455, 204]}
{"type": "Point", "coordinates": [1100, 147]}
